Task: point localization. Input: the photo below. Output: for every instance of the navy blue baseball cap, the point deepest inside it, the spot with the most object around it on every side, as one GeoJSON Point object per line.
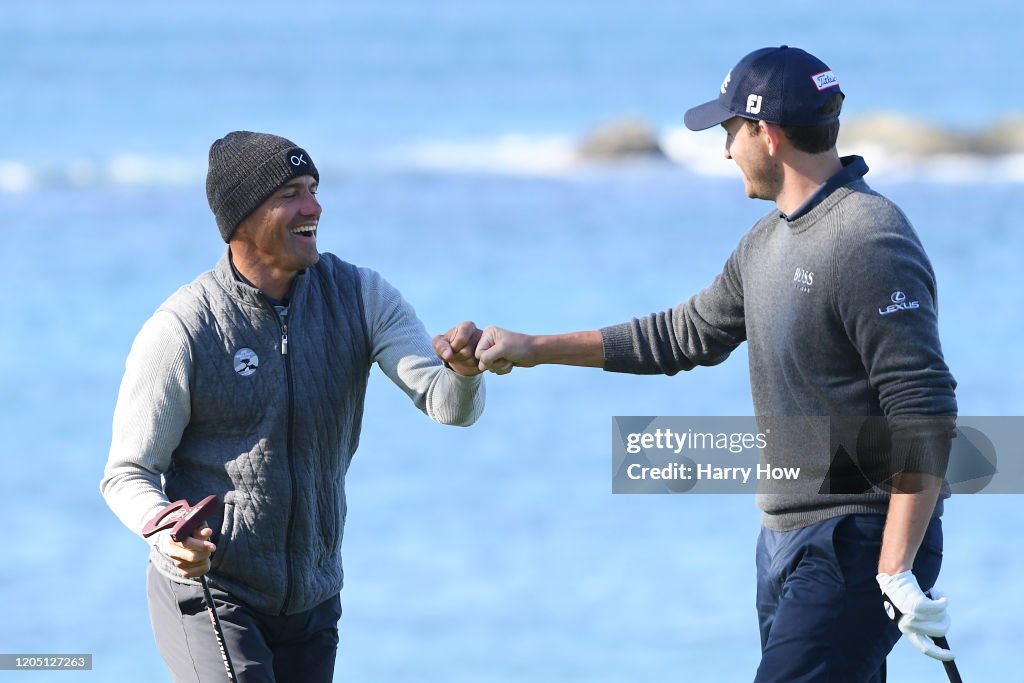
{"type": "Point", "coordinates": [781, 85]}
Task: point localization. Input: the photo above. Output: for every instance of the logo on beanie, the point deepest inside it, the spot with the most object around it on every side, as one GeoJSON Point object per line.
{"type": "Point", "coordinates": [246, 362]}
{"type": "Point", "coordinates": [297, 158]}
{"type": "Point", "coordinates": [826, 79]}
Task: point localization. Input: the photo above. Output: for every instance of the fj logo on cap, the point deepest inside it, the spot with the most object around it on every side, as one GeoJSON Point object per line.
{"type": "Point", "coordinates": [246, 362]}
{"type": "Point", "coordinates": [826, 79]}
{"type": "Point", "coordinates": [754, 104]}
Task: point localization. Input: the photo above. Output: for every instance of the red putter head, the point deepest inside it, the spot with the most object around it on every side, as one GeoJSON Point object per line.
{"type": "Point", "coordinates": [181, 519]}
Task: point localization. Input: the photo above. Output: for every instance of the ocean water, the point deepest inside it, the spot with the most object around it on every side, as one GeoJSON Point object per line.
{"type": "Point", "coordinates": [445, 135]}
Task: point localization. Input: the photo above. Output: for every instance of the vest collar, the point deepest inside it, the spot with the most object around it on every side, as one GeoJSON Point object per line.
{"type": "Point", "coordinates": [240, 289]}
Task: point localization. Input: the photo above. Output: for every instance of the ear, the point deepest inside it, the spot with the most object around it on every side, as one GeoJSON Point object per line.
{"type": "Point", "coordinates": [773, 137]}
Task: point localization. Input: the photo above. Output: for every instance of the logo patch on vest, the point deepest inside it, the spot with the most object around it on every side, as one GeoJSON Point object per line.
{"type": "Point", "coordinates": [246, 362]}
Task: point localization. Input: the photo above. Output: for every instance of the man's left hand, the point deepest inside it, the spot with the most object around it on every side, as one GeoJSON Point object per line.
{"type": "Point", "coordinates": [457, 348]}
{"type": "Point", "coordinates": [921, 617]}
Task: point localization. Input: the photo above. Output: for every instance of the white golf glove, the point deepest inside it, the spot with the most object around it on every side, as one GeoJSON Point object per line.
{"type": "Point", "coordinates": [920, 616]}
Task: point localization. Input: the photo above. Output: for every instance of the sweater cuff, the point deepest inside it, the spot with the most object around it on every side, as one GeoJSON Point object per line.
{"type": "Point", "coordinates": [462, 381]}
{"type": "Point", "coordinates": [921, 455]}
{"type": "Point", "coordinates": [618, 348]}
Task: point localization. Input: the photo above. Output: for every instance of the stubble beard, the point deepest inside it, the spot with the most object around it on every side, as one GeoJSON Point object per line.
{"type": "Point", "coordinates": [764, 181]}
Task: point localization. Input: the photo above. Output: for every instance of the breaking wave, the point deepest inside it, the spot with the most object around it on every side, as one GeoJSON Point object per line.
{"type": "Point", "coordinates": [890, 154]}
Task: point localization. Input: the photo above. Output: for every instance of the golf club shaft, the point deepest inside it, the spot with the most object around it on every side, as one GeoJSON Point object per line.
{"type": "Point", "coordinates": [229, 667]}
{"type": "Point", "coordinates": [951, 671]}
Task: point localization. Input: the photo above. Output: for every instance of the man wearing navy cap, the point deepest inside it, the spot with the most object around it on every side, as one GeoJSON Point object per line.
{"type": "Point", "coordinates": [836, 299]}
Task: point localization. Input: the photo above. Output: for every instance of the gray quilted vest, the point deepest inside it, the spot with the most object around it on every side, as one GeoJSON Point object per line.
{"type": "Point", "coordinates": [275, 419]}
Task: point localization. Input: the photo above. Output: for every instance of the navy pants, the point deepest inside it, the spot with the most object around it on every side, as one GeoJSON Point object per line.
{"type": "Point", "coordinates": [819, 606]}
{"type": "Point", "coordinates": [263, 648]}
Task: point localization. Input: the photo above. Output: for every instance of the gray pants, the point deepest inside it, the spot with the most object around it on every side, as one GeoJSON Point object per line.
{"type": "Point", "coordinates": [263, 648]}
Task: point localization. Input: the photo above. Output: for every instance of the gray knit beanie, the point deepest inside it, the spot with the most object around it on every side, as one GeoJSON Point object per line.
{"type": "Point", "coordinates": [245, 169]}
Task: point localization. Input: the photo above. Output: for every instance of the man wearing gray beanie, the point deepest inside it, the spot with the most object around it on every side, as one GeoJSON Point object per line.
{"type": "Point", "coordinates": [249, 384]}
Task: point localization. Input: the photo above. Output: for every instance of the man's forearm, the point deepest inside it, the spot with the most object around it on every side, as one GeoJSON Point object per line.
{"type": "Point", "coordinates": [907, 521]}
{"type": "Point", "coordinates": [585, 349]}
{"type": "Point", "coordinates": [499, 350]}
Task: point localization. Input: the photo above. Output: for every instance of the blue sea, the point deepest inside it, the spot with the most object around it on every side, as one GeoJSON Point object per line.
{"type": "Point", "coordinates": [445, 133]}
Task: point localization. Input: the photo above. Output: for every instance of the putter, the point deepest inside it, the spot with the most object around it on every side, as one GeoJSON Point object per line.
{"type": "Point", "coordinates": [182, 520]}
{"type": "Point", "coordinates": [952, 672]}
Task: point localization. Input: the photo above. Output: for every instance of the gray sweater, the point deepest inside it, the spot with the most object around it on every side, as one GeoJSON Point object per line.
{"type": "Point", "coordinates": [838, 309]}
{"type": "Point", "coordinates": [221, 394]}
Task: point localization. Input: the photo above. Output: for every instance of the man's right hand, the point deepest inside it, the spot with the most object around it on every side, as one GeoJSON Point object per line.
{"type": "Point", "coordinates": [191, 557]}
{"type": "Point", "coordinates": [500, 350]}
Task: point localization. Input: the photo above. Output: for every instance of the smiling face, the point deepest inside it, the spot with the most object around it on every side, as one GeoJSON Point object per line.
{"type": "Point", "coordinates": [278, 240]}
{"type": "Point", "coordinates": [746, 144]}
{"type": "Point", "coordinates": [280, 235]}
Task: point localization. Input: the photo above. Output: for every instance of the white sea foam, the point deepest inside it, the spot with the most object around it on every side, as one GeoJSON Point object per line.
{"type": "Point", "coordinates": [514, 153]}
{"type": "Point", "coordinates": [132, 169]}
{"type": "Point", "coordinates": [511, 154]}
{"type": "Point", "coordinates": [15, 176]}
{"type": "Point", "coordinates": [122, 169]}
{"type": "Point", "coordinates": [700, 153]}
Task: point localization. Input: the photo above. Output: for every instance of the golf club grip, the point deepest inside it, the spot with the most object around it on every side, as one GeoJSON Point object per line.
{"type": "Point", "coordinates": [951, 671]}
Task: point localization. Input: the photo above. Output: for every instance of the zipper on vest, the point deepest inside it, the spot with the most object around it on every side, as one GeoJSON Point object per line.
{"type": "Point", "coordinates": [282, 320]}
{"type": "Point", "coordinates": [292, 513]}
